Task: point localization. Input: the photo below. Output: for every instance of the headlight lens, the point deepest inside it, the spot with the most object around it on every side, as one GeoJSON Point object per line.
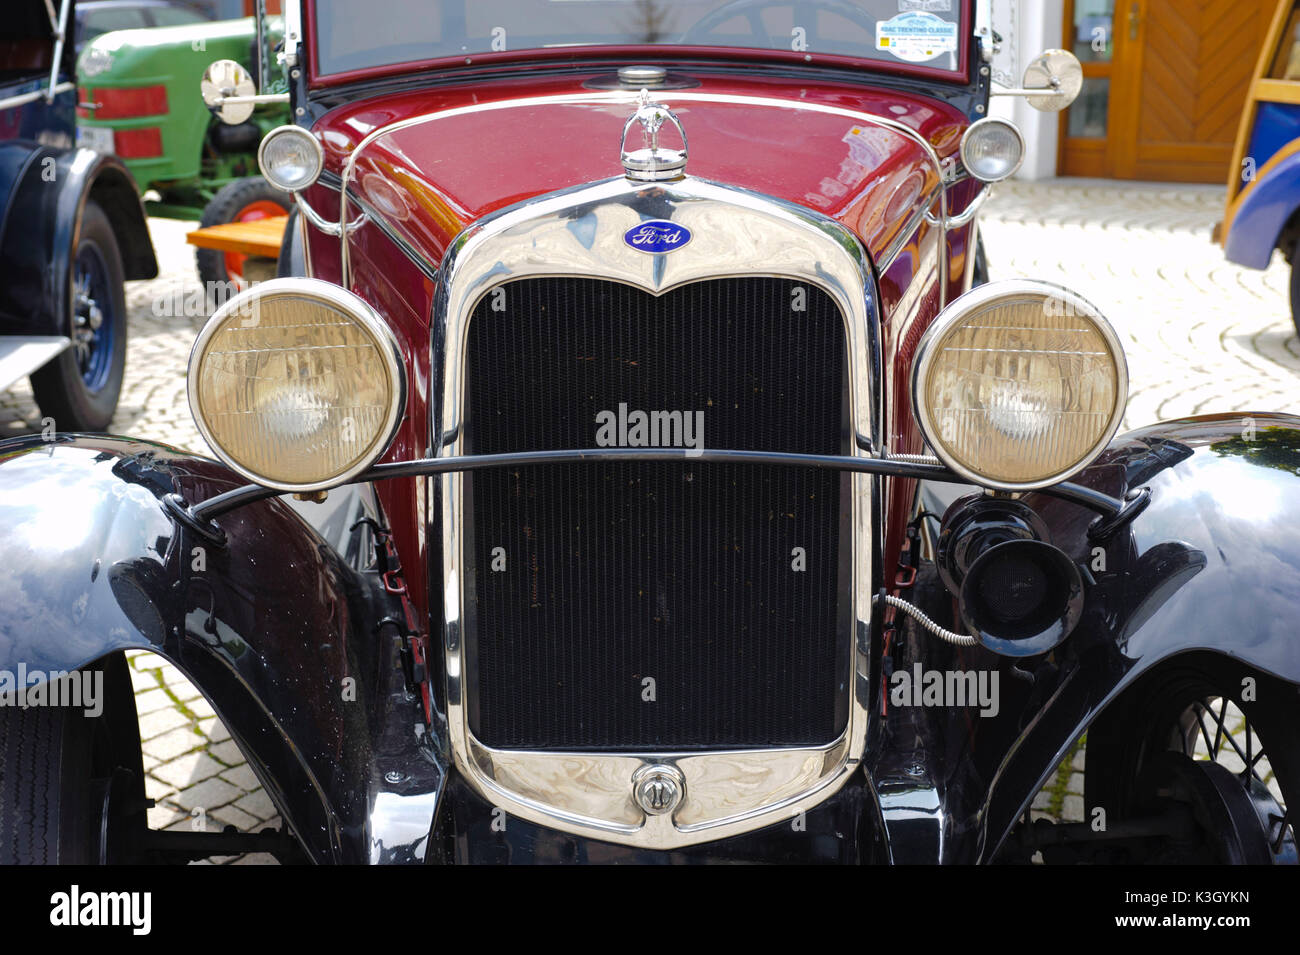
{"type": "Point", "coordinates": [992, 149]}
{"type": "Point", "coordinates": [290, 158]}
{"type": "Point", "coordinates": [94, 61]}
{"type": "Point", "coordinates": [1017, 385]}
{"type": "Point", "coordinates": [297, 384]}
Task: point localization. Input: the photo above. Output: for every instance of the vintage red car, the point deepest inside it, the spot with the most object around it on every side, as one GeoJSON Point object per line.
{"type": "Point", "coordinates": [589, 494]}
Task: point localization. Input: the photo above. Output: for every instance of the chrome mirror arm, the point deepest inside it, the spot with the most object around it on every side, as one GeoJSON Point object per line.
{"type": "Point", "coordinates": [1053, 90]}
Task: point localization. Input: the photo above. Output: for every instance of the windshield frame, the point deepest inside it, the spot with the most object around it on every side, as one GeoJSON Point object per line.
{"type": "Point", "coordinates": [652, 53]}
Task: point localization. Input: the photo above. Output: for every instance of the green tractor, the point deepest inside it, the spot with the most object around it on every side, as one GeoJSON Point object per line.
{"type": "Point", "coordinates": [140, 100]}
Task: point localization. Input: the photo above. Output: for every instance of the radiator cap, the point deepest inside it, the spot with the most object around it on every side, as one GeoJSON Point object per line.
{"type": "Point", "coordinates": [658, 789]}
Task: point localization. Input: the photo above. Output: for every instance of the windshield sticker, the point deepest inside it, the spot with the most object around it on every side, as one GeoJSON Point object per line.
{"type": "Point", "coordinates": [916, 37]}
{"type": "Point", "coordinates": [934, 6]}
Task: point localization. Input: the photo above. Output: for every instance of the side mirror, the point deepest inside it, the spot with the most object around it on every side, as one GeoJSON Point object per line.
{"type": "Point", "coordinates": [1059, 74]}
{"type": "Point", "coordinates": [228, 91]}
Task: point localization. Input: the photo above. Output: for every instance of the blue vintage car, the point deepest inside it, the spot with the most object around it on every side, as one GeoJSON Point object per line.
{"type": "Point", "coordinates": [71, 231]}
{"type": "Point", "coordinates": [1263, 211]}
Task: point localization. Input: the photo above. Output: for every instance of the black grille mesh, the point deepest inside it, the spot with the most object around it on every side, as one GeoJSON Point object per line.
{"type": "Point", "coordinates": [681, 573]}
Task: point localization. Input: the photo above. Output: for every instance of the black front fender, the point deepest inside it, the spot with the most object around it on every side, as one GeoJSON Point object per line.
{"type": "Point", "coordinates": [282, 637]}
{"type": "Point", "coordinates": [1212, 564]}
{"type": "Point", "coordinates": [49, 194]}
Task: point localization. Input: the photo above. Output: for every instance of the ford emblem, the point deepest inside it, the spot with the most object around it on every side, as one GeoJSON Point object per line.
{"type": "Point", "coordinates": [657, 235]}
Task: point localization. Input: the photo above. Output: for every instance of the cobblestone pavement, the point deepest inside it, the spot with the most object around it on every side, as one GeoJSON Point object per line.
{"type": "Point", "coordinates": [1201, 335]}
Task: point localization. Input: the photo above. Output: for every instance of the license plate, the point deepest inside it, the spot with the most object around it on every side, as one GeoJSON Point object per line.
{"type": "Point", "coordinates": [98, 138]}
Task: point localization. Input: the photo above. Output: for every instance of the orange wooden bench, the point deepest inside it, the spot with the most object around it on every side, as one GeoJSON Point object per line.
{"type": "Point", "coordinates": [260, 237]}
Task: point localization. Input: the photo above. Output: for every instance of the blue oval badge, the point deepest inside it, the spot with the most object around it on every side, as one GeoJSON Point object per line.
{"type": "Point", "coordinates": [657, 235]}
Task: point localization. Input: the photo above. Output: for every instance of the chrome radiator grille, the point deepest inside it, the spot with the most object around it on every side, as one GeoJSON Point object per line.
{"type": "Point", "coordinates": [656, 606]}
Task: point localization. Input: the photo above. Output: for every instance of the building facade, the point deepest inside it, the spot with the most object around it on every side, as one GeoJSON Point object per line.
{"type": "Point", "coordinates": [1165, 83]}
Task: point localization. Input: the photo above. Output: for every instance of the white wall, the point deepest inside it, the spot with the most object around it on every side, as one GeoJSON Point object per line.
{"type": "Point", "coordinates": [1028, 27]}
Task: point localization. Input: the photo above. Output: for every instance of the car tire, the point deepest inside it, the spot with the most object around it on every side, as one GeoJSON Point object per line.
{"type": "Point", "coordinates": [72, 785]}
{"type": "Point", "coordinates": [293, 259]}
{"type": "Point", "coordinates": [79, 389]}
{"type": "Point", "coordinates": [244, 200]}
{"type": "Point", "coordinates": [1129, 745]}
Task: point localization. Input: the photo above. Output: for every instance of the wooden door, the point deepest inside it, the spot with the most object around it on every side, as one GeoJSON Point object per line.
{"type": "Point", "coordinates": [1175, 75]}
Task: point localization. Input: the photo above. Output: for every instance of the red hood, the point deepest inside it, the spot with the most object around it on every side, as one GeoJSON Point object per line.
{"type": "Point", "coordinates": [432, 178]}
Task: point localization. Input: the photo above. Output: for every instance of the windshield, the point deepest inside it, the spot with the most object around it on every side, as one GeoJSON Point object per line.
{"type": "Point", "coordinates": [356, 36]}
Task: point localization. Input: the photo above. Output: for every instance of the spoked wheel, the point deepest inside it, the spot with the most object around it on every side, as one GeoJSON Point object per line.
{"type": "Point", "coordinates": [72, 783]}
{"type": "Point", "coordinates": [80, 388]}
{"type": "Point", "coordinates": [1206, 752]}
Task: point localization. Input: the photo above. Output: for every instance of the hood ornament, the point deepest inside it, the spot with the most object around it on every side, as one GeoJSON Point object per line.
{"type": "Point", "coordinates": [652, 162]}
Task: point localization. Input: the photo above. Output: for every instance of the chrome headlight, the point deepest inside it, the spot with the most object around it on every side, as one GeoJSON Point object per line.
{"type": "Point", "coordinates": [1017, 385]}
{"type": "Point", "coordinates": [94, 60]}
{"type": "Point", "coordinates": [992, 149]}
{"type": "Point", "coordinates": [297, 384]}
{"type": "Point", "coordinates": [290, 158]}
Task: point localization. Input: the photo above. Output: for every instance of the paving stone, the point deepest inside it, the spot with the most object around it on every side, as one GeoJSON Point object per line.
{"type": "Point", "coordinates": [143, 680]}
{"type": "Point", "coordinates": [228, 752]}
{"type": "Point", "coordinates": [258, 803]}
{"type": "Point", "coordinates": [176, 743]}
{"type": "Point", "coordinates": [214, 729]}
{"type": "Point", "coordinates": [184, 691]}
{"type": "Point", "coordinates": [234, 816]}
{"type": "Point", "coordinates": [209, 794]}
{"type": "Point", "coordinates": [157, 789]}
{"type": "Point", "coordinates": [242, 777]}
{"type": "Point", "coordinates": [161, 721]}
{"type": "Point", "coordinates": [188, 769]}
{"type": "Point", "coordinates": [151, 700]}
{"type": "Point", "coordinates": [172, 676]}
{"type": "Point", "coordinates": [163, 817]}
{"type": "Point", "coordinates": [1075, 785]}
{"type": "Point", "coordinates": [1072, 810]}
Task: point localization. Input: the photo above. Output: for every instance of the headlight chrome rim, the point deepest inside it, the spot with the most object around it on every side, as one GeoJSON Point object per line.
{"type": "Point", "coordinates": [289, 129]}
{"type": "Point", "coordinates": [981, 124]}
{"type": "Point", "coordinates": [358, 310]}
{"type": "Point", "coordinates": [979, 299]}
